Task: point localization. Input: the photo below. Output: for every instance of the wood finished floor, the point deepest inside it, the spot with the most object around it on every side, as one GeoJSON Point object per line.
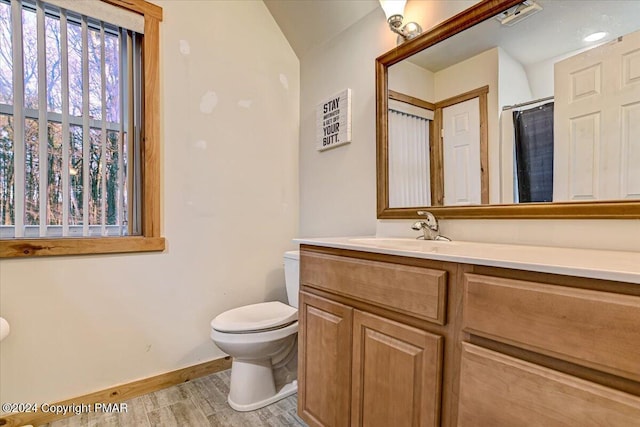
{"type": "Point", "coordinates": [201, 402]}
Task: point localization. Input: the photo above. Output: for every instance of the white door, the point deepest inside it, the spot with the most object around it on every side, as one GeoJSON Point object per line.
{"type": "Point", "coordinates": [461, 153]}
{"type": "Point", "coordinates": [597, 123]}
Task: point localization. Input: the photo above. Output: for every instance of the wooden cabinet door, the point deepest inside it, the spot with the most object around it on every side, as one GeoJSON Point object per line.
{"type": "Point", "coordinates": [501, 391]}
{"type": "Point", "coordinates": [324, 364]}
{"type": "Point", "coordinates": [397, 373]}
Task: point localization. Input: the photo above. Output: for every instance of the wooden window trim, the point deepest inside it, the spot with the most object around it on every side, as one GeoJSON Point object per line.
{"type": "Point", "coordinates": [408, 99]}
{"type": "Point", "coordinates": [150, 240]}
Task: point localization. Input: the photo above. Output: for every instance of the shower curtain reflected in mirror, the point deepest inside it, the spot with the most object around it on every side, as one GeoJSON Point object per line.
{"type": "Point", "coordinates": [533, 130]}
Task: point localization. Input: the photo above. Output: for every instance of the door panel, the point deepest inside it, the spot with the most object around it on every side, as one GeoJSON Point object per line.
{"type": "Point", "coordinates": [461, 153]}
{"type": "Point", "coordinates": [596, 129]}
{"type": "Point", "coordinates": [396, 374]}
{"type": "Point", "coordinates": [324, 361]}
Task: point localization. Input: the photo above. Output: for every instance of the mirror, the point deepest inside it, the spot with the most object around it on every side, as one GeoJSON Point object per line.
{"type": "Point", "coordinates": [505, 110]}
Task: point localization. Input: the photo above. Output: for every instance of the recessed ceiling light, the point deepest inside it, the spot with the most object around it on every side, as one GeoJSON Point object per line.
{"type": "Point", "coordinates": [595, 36]}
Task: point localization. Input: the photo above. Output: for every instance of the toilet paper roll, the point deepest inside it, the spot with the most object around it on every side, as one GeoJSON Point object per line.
{"type": "Point", "coordinates": [4, 328]}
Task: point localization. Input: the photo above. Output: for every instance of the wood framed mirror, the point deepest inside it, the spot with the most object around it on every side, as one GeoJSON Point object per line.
{"type": "Point", "coordinates": [491, 178]}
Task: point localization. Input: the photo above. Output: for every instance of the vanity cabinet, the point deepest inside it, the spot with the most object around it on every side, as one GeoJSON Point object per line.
{"type": "Point", "coordinates": [391, 340]}
{"type": "Point", "coordinates": [528, 332]}
{"type": "Point", "coordinates": [359, 365]}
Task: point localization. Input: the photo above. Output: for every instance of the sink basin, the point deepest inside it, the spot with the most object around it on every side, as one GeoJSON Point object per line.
{"type": "Point", "coordinates": [456, 248]}
{"type": "Point", "coordinates": [441, 247]}
{"type": "Point", "coordinates": [406, 244]}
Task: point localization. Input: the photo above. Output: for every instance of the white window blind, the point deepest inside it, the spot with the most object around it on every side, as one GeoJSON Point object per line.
{"type": "Point", "coordinates": [70, 115]}
{"type": "Point", "coordinates": [409, 164]}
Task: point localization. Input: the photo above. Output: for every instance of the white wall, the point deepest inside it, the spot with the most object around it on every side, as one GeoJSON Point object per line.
{"type": "Point", "coordinates": [615, 235]}
{"type": "Point", "coordinates": [230, 198]}
{"type": "Point", "coordinates": [513, 89]}
{"type": "Point", "coordinates": [337, 188]}
{"type": "Point", "coordinates": [512, 81]}
{"type": "Point", "coordinates": [541, 78]}
{"type": "Point", "coordinates": [473, 73]}
{"type": "Point", "coordinates": [411, 79]}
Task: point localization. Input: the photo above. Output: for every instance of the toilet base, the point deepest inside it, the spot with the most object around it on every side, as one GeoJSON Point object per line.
{"type": "Point", "coordinates": [286, 391]}
{"type": "Point", "coordinates": [257, 383]}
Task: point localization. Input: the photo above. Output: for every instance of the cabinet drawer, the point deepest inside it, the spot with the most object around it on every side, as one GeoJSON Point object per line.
{"type": "Point", "coordinates": [597, 329]}
{"type": "Point", "coordinates": [498, 390]}
{"type": "Point", "coordinates": [416, 291]}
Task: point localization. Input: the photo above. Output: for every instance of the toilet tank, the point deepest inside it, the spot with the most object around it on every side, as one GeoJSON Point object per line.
{"type": "Point", "coordinates": [292, 276]}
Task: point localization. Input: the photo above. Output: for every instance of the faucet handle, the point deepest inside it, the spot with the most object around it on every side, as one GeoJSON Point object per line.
{"type": "Point", "coordinates": [431, 220]}
{"type": "Point", "coordinates": [419, 225]}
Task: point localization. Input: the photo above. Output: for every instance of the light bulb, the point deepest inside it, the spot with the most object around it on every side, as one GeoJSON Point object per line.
{"type": "Point", "coordinates": [393, 7]}
{"type": "Point", "coordinates": [411, 27]}
{"type": "Point", "coordinates": [411, 30]}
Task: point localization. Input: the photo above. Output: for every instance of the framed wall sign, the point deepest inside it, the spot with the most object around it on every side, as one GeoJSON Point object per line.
{"type": "Point", "coordinates": [333, 121]}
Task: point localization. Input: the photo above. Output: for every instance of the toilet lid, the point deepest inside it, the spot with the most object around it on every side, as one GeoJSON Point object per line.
{"type": "Point", "coordinates": [255, 317]}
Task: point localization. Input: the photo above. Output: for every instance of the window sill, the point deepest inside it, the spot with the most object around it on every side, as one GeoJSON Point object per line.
{"type": "Point", "coordinates": [13, 248]}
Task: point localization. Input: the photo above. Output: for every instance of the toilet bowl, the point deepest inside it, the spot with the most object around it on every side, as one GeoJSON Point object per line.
{"type": "Point", "coordinates": [262, 340]}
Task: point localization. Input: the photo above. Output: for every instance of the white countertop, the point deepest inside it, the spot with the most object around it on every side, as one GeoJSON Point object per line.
{"type": "Point", "coordinates": [595, 264]}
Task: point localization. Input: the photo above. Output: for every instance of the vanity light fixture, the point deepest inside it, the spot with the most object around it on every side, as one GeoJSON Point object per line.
{"type": "Point", "coordinates": [393, 9]}
{"type": "Point", "coordinates": [594, 37]}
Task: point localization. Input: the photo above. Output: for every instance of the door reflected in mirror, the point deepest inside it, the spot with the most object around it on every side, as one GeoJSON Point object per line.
{"type": "Point", "coordinates": [530, 111]}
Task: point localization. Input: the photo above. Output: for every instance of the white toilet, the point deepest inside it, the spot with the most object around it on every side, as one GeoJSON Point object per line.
{"type": "Point", "coordinates": [262, 340]}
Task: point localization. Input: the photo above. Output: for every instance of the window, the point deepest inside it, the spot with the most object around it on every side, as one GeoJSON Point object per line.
{"type": "Point", "coordinates": [79, 168]}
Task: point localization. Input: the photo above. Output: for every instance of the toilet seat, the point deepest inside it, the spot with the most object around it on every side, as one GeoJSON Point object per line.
{"type": "Point", "coordinates": [253, 318]}
{"type": "Point", "coordinates": [254, 337]}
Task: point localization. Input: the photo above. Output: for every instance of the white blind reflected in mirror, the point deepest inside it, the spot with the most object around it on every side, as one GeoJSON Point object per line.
{"type": "Point", "coordinates": [409, 169]}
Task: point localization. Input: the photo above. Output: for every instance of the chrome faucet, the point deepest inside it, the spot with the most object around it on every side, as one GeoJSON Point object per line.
{"type": "Point", "coordinates": [429, 227]}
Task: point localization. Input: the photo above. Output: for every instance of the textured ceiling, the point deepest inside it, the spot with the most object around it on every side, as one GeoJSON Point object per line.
{"type": "Point", "coordinates": [557, 30]}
